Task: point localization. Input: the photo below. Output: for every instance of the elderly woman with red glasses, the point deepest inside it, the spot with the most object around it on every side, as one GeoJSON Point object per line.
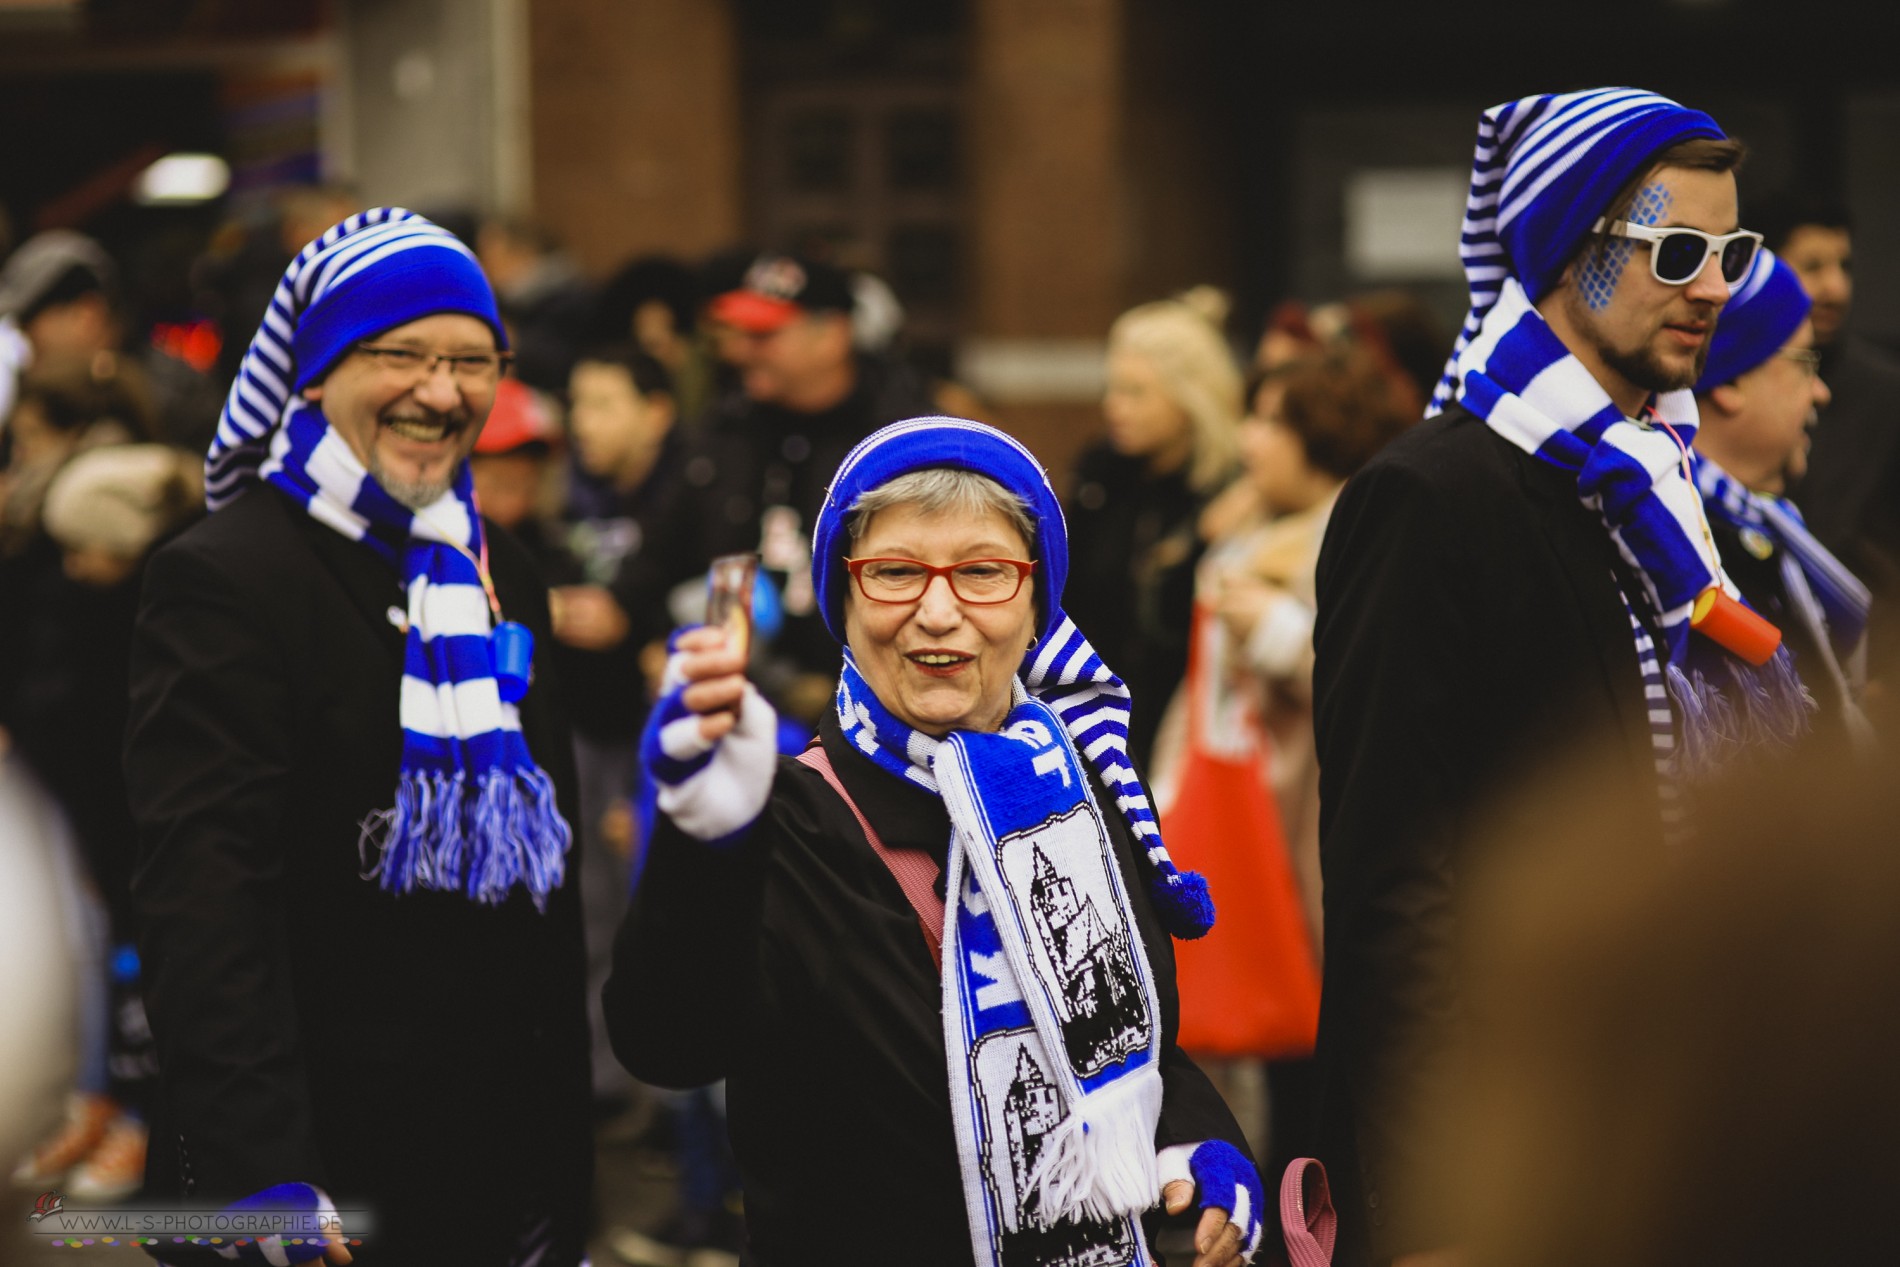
{"type": "Point", "coordinates": [932, 955]}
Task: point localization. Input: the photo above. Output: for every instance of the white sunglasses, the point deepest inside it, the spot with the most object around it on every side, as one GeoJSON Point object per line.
{"type": "Point", "coordinates": [1677, 256]}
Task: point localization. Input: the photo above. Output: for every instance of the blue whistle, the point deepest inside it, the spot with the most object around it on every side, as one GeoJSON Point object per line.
{"type": "Point", "coordinates": [514, 651]}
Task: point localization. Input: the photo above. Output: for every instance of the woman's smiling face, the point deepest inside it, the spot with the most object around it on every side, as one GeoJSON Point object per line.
{"type": "Point", "coordinates": [938, 663]}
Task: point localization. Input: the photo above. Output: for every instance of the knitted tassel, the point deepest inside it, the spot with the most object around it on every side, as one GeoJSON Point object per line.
{"type": "Point", "coordinates": [523, 837]}
{"type": "Point", "coordinates": [1182, 901]}
{"type": "Point", "coordinates": [1777, 704]}
{"type": "Point", "coordinates": [1703, 712]}
{"type": "Point", "coordinates": [544, 861]}
{"type": "Point", "coordinates": [411, 838]}
{"type": "Point", "coordinates": [446, 844]}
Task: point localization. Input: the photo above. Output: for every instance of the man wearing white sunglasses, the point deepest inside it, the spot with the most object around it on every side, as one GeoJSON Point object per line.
{"type": "Point", "coordinates": [1641, 329]}
{"type": "Point", "coordinates": [1516, 575]}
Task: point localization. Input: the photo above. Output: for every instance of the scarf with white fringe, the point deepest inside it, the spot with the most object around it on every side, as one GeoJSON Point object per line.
{"type": "Point", "coordinates": [1050, 1013]}
{"type": "Point", "coordinates": [472, 814]}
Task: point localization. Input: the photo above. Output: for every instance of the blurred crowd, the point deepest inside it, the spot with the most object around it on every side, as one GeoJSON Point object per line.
{"type": "Point", "coordinates": [678, 410]}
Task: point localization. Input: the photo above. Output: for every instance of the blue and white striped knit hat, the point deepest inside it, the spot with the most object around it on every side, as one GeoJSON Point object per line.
{"type": "Point", "coordinates": [1545, 168]}
{"type": "Point", "coordinates": [370, 273]}
{"type": "Point", "coordinates": [1062, 669]}
{"type": "Point", "coordinates": [1760, 317]}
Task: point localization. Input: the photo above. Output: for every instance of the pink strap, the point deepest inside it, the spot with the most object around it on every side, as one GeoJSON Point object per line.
{"type": "Point", "coordinates": [916, 873]}
{"type": "Point", "coordinates": [1307, 1219]}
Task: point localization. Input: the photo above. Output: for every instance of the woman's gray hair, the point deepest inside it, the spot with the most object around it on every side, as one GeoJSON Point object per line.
{"type": "Point", "coordinates": [936, 490]}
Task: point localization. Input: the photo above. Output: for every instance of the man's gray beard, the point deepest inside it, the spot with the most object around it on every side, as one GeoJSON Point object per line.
{"type": "Point", "coordinates": [415, 494]}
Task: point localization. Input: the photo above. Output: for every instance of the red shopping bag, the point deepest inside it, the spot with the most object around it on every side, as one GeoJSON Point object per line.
{"type": "Point", "coordinates": [1251, 986]}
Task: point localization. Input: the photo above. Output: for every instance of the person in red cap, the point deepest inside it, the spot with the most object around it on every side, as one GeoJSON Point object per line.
{"type": "Point", "coordinates": [510, 459]}
{"type": "Point", "coordinates": [766, 449]}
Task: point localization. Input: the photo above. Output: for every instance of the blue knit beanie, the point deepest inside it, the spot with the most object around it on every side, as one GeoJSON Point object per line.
{"type": "Point", "coordinates": [917, 444]}
{"type": "Point", "coordinates": [1758, 320]}
{"type": "Point", "coordinates": [381, 290]}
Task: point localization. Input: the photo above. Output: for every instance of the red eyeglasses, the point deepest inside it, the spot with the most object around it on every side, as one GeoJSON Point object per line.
{"type": "Point", "coordinates": [976, 581]}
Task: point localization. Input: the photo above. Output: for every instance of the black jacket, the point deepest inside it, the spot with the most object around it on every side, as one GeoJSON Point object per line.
{"type": "Point", "coordinates": [423, 1054]}
{"type": "Point", "coordinates": [1470, 634]}
{"type": "Point", "coordinates": [791, 965]}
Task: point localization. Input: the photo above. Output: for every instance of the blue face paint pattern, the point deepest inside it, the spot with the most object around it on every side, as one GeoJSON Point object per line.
{"type": "Point", "coordinates": [1603, 268]}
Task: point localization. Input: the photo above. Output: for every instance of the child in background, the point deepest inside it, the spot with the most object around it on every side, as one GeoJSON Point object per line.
{"type": "Point", "coordinates": [609, 603]}
{"type": "Point", "coordinates": [510, 466]}
{"type": "Point", "coordinates": [629, 539]}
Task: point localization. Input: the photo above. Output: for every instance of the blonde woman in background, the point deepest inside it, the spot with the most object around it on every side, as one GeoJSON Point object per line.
{"type": "Point", "coordinates": [1235, 773]}
{"type": "Point", "coordinates": [1171, 407]}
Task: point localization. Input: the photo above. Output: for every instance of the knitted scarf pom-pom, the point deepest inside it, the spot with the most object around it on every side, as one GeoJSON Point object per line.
{"type": "Point", "coordinates": [1182, 901]}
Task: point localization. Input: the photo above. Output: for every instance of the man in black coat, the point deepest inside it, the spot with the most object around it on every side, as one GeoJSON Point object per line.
{"type": "Point", "coordinates": [1479, 618]}
{"type": "Point", "coordinates": [765, 452]}
{"type": "Point", "coordinates": [336, 1000]}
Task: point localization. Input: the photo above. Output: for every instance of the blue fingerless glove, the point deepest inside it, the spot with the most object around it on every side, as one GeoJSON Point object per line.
{"type": "Point", "coordinates": [1223, 1177]}
{"type": "Point", "coordinates": [711, 791]}
{"type": "Point", "coordinates": [305, 1211]}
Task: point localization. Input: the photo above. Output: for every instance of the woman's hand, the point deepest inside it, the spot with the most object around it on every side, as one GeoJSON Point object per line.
{"type": "Point", "coordinates": [714, 678]}
{"type": "Point", "coordinates": [1232, 1201]}
{"type": "Point", "coordinates": [711, 741]}
{"type": "Point", "coordinates": [1216, 1238]}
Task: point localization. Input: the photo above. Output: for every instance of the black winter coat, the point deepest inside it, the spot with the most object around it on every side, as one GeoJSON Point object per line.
{"type": "Point", "coordinates": [423, 1055]}
{"type": "Point", "coordinates": [791, 964]}
{"type": "Point", "coordinates": [1470, 635]}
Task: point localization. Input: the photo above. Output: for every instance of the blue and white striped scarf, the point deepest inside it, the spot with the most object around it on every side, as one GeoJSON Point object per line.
{"type": "Point", "coordinates": [1518, 376]}
{"type": "Point", "coordinates": [1843, 598]}
{"type": "Point", "coordinates": [472, 813]}
{"type": "Point", "coordinates": [1062, 669]}
{"type": "Point", "coordinates": [1051, 1020]}
{"type": "Point", "coordinates": [1063, 672]}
